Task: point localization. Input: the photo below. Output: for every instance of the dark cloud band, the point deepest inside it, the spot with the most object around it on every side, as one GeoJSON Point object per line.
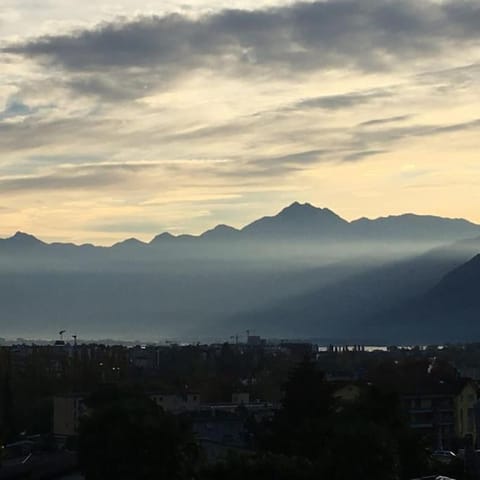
{"type": "Point", "coordinates": [367, 35]}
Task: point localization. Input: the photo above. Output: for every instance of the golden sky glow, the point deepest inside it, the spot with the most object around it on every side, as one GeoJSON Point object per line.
{"type": "Point", "coordinates": [120, 119]}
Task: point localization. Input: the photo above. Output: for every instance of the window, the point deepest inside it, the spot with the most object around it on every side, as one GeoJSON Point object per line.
{"type": "Point", "coordinates": [426, 403]}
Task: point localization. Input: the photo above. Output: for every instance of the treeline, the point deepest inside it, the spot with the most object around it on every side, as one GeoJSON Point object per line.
{"type": "Point", "coordinates": [314, 435]}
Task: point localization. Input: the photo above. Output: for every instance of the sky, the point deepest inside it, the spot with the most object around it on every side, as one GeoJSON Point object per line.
{"type": "Point", "coordinates": [130, 118]}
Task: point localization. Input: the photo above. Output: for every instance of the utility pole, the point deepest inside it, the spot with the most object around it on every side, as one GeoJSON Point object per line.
{"type": "Point", "coordinates": [75, 374]}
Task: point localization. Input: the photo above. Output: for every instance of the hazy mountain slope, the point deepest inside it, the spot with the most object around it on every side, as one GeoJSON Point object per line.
{"type": "Point", "coordinates": [297, 223]}
{"type": "Point", "coordinates": [448, 312]}
{"type": "Point", "coordinates": [410, 227]}
{"type": "Point", "coordinates": [140, 304]}
{"type": "Point", "coordinates": [175, 285]}
{"type": "Point", "coordinates": [299, 220]}
{"type": "Point", "coordinates": [344, 309]}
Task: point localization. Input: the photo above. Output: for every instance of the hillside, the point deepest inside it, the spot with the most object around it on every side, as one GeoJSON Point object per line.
{"type": "Point", "coordinates": [305, 271]}
{"type": "Point", "coordinates": [345, 309]}
{"type": "Point", "coordinates": [448, 312]}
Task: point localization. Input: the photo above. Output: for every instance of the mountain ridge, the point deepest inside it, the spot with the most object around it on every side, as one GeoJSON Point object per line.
{"type": "Point", "coordinates": [449, 311]}
{"type": "Point", "coordinates": [177, 283]}
{"type": "Point", "coordinates": [380, 300]}
{"type": "Point", "coordinates": [302, 219]}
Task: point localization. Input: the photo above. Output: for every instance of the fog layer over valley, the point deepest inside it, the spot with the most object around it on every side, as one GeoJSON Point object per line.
{"type": "Point", "coordinates": [304, 272]}
{"type": "Point", "coordinates": [379, 304]}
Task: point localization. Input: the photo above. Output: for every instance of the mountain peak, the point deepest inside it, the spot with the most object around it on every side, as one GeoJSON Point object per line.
{"type": "Point", "coordinates": [24, 239]}
{"type": "Point", "coordinates": [299, 210]}
{"type": "Point", "coordinates": [220, 231]}
{"type": "Point", "coordinates": [299, 207]}
{"type": "Point", "coordinates": [299, 219]}
{"type": "Point", "coordinates": [130, 242]}
{"type": "Point", "coordinates": [306, 211]}
{"type": "Point", "coordinates": [225, 228]}
{"type": "Point", "coordinates": [20, 234]}
{"type": "Point", "coordinates": [162, 237]}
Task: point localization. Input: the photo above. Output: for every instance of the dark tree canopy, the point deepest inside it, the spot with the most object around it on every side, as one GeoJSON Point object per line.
{"type": "Point", "coordinates": [260, 467]}
{"type": "Point", "coordinates": [364, 438]}
{"type": "Point", "coordinates": [313, 436]}
{"type": "Point", "coordinates": [126, 436]}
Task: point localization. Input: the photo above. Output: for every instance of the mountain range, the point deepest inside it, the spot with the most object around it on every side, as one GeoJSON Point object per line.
{"type": "Point", "coordinates": [392, 302]}
{"type": "Point", "coordinates": [304, 272]}
{"type": "Point", "coordinates": [304, 222]}
{"type": "Point", "coordinates": [447, 312]}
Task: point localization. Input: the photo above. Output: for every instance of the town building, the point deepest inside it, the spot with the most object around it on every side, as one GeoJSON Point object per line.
{"type": "Point", "coordinates": [443, 412]}
{"type": "Point", "coordinates": [67, 411]}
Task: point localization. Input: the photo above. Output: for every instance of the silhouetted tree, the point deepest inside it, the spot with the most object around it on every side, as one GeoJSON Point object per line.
{"type": "Point", "coordinates": [261, 467]}
{"type": "Point", "coordinates": [303, 424]}
{"type": "Point", "coordinates": [375, 439]}
{"type": "Point", "coordinates": [126, 436]}
{"type": "Point", "coordinates": [365, 438]}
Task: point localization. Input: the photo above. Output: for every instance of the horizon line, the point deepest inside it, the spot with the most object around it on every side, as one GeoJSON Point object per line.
{"type": "Point", "coordinates": [238, 230]}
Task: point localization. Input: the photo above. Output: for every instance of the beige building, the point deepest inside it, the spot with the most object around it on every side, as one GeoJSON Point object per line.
{"type": "Point", "coordinates": [464, 404]}
{"type": "Point", "coordinates": [177, 403]}
{"type": "Point", "coordinates": [445, 413]}
{"type": "Point", "coordinates": [67, 411]}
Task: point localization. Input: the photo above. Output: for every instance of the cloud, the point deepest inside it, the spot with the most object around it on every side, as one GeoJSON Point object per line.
{"type": "Point", "coordinates": [83, 177]}
{"type": "Point", "coordinates": [67, 159]}
{"type": "Point", "coordinates": [383, 121]}
{"type": "Point", "coordinates": [277, 117]}
{"type": "Point", "coordinates": [373, 141]}
{"type": "Point", "coordinates": [33, 133]}
{"type": "Point", "coordinates": [464, 74]}
{"type": "Point", "coordinates": [15, 108]}
{"type": "Point", "coordinates": [361, 155]}
{"type": "Point", "coordinates": [412, 172]}
{"type": "Point", "coordinates": [366, 35]}
{"type": "Point", "coordinates": [296, 158]}
{"type": "Point", "coordinates": [56, 182]}
{"type": "Point", "coordinates": [273, 166]}
{"type": "Point", "coordinates": [108, 88]}
{"type": "Point", "coordinates": [149, 112]}
{"type": "Point", "coordinates": [457, 127]}
{"type": "Point", "coordinates": [345, 100]}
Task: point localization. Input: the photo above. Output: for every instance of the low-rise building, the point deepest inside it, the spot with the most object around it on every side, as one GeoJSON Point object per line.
{"type": "Point", "coordinates": [240, 398]}
{"type": "Point", "coordinates": [174, 403]}
{"type": "Point", "coordinates": [443, 412]}
{"type": "Point", "coordinates": [67, 411]}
